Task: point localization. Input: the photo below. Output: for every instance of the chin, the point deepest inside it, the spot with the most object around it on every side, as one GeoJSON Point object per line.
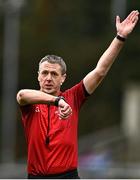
{"type": "Point", "coordinates": [49, 91]}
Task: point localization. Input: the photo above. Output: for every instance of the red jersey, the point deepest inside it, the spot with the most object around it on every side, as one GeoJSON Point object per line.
{"type": "Point", "coordinates": [52, 142]}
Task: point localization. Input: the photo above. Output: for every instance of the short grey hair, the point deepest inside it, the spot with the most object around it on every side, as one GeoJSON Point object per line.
{"type": "Point", "coordinates": [53, 59]}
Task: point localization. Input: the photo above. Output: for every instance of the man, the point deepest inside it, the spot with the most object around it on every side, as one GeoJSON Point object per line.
{"type": "Point", "coordinates": [50, 117]}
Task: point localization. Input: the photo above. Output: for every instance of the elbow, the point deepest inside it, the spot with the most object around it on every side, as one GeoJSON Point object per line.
{"type": "Point", "coordinates": [102, 70]}
{"type": "Point", "coordinates": [21, 97]}
{"type": "Point", "coordinates": [101, 73]}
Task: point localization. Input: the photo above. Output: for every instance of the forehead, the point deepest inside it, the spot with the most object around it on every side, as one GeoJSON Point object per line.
{"type": "Point", "coordinates": [49, 66]}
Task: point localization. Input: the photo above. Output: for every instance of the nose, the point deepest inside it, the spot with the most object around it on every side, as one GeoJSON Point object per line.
{"type": "Point", "coordinates": [48, 77]}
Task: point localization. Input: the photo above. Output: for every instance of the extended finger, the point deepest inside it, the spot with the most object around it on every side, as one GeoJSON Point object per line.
{"type": "Point", "coordinates": [130, 15]}
{"type": "Point", "coordinates": [117, 20]}
{"type": "Point", "coordinates": [133, 15]}
{"type": "Point", "coordinates": [135, 21]}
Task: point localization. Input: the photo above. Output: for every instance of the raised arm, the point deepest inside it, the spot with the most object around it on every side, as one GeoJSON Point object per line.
{"type": "Point", "coordinates": [124, 28]}
{"type": "Point", "coordinates": [28, 96]}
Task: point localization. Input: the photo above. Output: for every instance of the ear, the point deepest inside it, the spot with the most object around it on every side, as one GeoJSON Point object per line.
{"type": "Point", "coordinates": [38, 76]}
{"type": "Point", "coordinates": [63, 78]}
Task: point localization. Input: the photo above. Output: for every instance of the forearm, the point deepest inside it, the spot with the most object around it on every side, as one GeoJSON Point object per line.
{"type": "Point", "coordinates": [94, 78]}
{"type": "Point", "coordinates": [27, 96]}
{"type": "Point", "coordinates": [109, 56]}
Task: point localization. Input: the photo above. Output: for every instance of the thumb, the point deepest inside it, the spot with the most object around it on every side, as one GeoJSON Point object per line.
{"type": "Point", "coordinates": [117, 20]}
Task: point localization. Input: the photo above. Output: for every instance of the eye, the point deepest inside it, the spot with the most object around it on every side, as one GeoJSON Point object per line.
{"type": "Point", "coordinates": [44, 72]}
{"type": "Point", "coordinates": [54, 74]}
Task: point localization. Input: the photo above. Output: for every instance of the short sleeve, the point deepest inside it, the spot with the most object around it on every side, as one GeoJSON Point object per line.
{"type": "Point", "coordinates": [79, 94]}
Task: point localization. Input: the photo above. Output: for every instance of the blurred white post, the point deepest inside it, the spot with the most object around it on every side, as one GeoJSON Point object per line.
{"type": "Point", "coordinates": [118, 7]}
{"type": "Point", "coordinates": [131, 120]}
{"type": "Point", "coordinates": [10, 78]}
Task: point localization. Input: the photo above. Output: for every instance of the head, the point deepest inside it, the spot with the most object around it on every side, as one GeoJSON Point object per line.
{"type": "Point", "coordinates": [51, 74]}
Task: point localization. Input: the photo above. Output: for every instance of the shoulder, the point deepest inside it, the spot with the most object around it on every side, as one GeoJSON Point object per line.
{"type": "Point", "coordinates": [77, 88]}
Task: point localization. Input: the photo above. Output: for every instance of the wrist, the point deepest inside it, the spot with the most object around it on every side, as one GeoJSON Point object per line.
{"type": "Point", "coordinates": [120, 37]}
{"type": "Point", "coordinates": [56, 102]}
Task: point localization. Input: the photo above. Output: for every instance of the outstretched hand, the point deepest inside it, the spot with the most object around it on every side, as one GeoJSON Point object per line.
{"type": "Point", "coordinates": [125, 27]}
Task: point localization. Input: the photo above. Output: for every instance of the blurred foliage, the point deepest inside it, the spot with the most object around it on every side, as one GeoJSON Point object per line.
{"type": "Point", "coordinates": [79, 31]}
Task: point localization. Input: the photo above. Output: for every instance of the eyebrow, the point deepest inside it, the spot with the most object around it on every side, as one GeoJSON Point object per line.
{"type": "Point", "coordinates": [53, 71]}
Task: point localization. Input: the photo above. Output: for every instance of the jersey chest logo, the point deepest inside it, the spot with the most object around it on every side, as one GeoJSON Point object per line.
{"type": "Point", "coordinates": [37, 109]}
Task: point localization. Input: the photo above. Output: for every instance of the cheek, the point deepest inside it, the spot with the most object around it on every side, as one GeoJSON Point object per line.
{"type": "Point", "coordinates": [41, 80]}
{"type": "Point", "coordinates": [57, 81]}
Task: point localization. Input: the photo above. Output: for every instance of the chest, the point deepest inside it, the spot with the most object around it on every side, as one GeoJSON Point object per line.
{"type": "Point", "coordinates": [47, 117]}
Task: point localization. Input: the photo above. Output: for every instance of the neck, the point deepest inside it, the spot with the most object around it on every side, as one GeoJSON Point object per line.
{"type": "Point", "coordinates": [53, 94]}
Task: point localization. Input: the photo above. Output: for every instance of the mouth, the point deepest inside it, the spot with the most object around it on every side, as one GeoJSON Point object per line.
{"type": "Point", "coordinates": [48, 86]}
